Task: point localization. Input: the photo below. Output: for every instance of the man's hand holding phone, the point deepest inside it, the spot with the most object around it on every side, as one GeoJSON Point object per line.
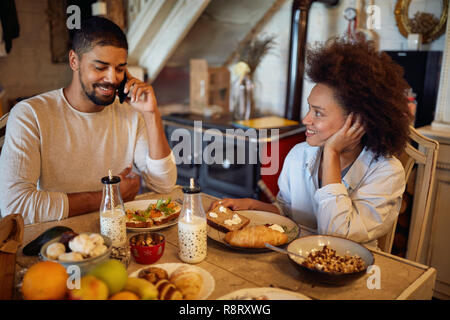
{"type": "Point", "coordinates": [141, 97]}
{"type": "Point", "coordinates": [139, 94]}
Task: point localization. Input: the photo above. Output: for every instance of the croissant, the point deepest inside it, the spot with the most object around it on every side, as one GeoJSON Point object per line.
{"type": "Point", "coordinates": [255, 237]}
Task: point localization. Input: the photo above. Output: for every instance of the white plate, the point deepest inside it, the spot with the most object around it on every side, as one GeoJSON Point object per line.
{"type": "Point", "coordinates": [264, 294]}
{"type": "Point", "coordinates": [258, 218]}
{"type": "Point", "coordinates": [142, 205]}
{"type": "Point", "coordinates": [208, 280]}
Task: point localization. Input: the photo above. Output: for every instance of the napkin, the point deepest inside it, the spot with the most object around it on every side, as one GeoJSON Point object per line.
{"type": "Point", "coordinates": [11, 233]}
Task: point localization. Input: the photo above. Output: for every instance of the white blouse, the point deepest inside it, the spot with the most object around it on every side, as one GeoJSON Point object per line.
{"type": "Point", "coordinates": [361, 208]}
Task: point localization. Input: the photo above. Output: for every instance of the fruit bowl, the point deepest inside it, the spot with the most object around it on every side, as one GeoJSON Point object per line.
{"type": "Point", "coordinates": [84, 265]}
{"type": "Point", "coordinates": [147, 247]}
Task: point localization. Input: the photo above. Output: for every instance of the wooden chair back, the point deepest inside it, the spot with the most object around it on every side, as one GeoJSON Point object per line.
{"type": "Point", "coordinates": [425, 156]}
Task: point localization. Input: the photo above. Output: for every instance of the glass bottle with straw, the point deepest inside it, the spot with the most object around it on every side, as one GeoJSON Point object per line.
{"type": "Point", "coordinates": [192, 226]}
{"type": "Point", "coordinates": [112, 212]}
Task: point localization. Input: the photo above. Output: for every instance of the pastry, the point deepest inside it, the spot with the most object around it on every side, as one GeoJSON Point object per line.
{"type": "Point", "coordinates": [96, 238]}
{"type": "Point", "coordinates": [255, 237]}
{"type": "Point", "coordinates": [167, 290]}
{"type": "Point", "coordinates": [55, 250]}
{"type": "Point", "coordinates": [82, 244]}
{"type": "Point", "coordinates": [188, 281]}
{"type": "Point", "coordinates": [70, 257]}
{"type": "Point", "coordinates": [98, 250]}
{"type": "Point", "coordinates": [224, 219]}
{"type": "Point", "coordinates": [153, 274]}
{"type": "Point", "coordinates": [89, 245]}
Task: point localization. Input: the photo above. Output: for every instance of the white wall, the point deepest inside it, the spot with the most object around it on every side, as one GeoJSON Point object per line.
{"type": "Point", "coordinates": [271, 74]}
{"type": "Point", "coordinates": [326, 22]}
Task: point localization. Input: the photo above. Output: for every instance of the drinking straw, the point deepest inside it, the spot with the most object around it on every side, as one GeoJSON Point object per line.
{"type": "Point", "coordinates": [192, 186]}
{"type": "Point", "coordinates": [111, 192]}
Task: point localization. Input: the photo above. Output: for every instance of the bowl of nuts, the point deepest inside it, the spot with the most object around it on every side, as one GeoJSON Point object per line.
{"type": "Point", "coordinates": [147, 247]}
{"type": "Point", "coordinates": [331, 259]}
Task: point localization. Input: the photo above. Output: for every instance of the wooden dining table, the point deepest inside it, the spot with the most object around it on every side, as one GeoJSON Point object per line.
{"type": "Point", "coordinates": [234, 270]}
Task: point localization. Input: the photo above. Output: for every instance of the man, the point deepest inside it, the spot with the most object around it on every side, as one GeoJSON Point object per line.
{"type": "Point", "coordinates": [60, 144]}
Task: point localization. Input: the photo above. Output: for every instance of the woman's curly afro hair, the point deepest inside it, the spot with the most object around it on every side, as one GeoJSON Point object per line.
{"type": "Point", "coordinates": [368, 83]}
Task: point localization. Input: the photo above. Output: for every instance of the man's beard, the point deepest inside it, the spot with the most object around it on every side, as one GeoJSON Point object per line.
{"type": "Point", "coordinates": [98, 100]}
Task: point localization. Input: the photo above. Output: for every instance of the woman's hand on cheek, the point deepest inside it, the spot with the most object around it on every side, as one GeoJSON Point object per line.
{"type": "Point", "coordinates": [348, 137]}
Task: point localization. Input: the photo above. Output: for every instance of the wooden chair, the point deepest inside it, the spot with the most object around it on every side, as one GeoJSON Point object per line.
{"type": "Point", "coordinates": [3, 121]}
{"type": "Point", "coordinates": [425, 156]}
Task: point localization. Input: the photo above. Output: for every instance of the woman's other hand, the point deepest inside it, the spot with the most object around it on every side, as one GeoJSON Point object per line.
{"type": "Point", "coordinates": [245, 204]}
{"type": "Point", "coordinates": [234, 204]}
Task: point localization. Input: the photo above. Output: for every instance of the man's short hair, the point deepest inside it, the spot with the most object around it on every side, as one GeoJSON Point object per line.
{"type": "Point", "coordinates": [98, 31]}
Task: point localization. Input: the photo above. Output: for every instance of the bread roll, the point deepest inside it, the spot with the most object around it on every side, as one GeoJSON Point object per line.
{"type": "Point", "coordinates": [255, 237]}
{"type": "Point", "coordinates": [188, 281]}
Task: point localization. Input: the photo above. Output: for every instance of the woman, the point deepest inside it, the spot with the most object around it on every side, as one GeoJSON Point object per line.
{"type": "Point", "coordinates": [344, 180]}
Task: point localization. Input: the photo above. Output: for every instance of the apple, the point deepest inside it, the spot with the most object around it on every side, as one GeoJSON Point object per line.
{"type": "Point", "coordinates": [113, 273]}
{"type": "Point", "coordinates": [91, 288]}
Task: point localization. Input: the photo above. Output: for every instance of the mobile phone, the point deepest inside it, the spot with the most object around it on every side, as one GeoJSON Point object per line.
{"type": "Point", "coordinates": [120, 93]}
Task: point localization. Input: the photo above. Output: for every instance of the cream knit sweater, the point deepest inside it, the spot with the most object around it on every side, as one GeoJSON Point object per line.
{"type": "Point", "coordinates": [52, 149]}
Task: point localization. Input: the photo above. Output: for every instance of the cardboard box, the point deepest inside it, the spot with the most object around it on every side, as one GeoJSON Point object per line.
{"type": "Point", "coordinates": [209, 86]}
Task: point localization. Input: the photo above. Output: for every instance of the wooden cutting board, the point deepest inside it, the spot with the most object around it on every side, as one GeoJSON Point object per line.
{"type": "Point", "coordinates": [7, 273]}
{"type": "Point", "coordinates": [11, 236]}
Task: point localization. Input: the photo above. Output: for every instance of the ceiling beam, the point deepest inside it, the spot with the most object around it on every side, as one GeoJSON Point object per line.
{"type": "Point", "coordinates": [158, 29]}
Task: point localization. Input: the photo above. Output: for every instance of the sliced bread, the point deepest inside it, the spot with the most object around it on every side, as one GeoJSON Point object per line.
{"type": "Point", "coordinates": [225, 220]}
{"type": "Point", "coordinates": [166, 218]}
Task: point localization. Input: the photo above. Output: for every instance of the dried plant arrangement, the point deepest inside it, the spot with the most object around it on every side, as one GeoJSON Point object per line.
{"type": "Point", "coordinates": [252, 54]}
{"type": "Point", "coordinates": [254, 51]}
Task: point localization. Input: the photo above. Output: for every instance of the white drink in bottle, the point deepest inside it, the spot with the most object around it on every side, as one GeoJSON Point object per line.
{"type": "Point", "coordinates": [192, 227]}
{"type": "Point", "coordinates": [112, 213]}
{"type": "Point", "coordinates": [112, 225]}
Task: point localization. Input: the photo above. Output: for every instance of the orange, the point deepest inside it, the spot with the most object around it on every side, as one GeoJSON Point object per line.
{"type": "Point", "coordinates": [45, 280]}
{"type": "Point", "coordinates": [124, 295]}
